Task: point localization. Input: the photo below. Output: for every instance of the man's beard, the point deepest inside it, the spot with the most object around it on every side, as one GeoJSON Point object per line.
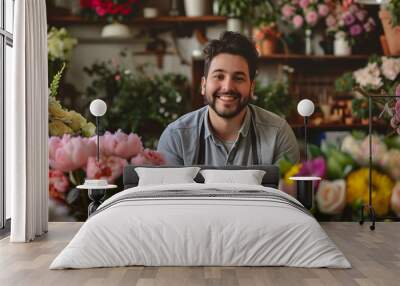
{"type": "Point", "coordinates": [240, 105]}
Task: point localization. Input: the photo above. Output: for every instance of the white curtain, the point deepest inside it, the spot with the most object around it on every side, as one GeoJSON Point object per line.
{"type": "Point", "coordinates": [27, 123]}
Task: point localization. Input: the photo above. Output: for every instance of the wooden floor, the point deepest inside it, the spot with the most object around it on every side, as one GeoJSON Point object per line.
{"type": "Point", "coordinates": [374, 255]}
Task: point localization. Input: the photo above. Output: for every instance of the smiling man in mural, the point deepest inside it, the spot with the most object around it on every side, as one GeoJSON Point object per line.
{"type": "Point", "coordinates": [229, 130]}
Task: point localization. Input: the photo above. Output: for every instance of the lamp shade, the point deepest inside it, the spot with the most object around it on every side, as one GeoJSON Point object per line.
{"type": "Point", "coordinates": [98, 107]}
{"type": "Point", "coordinates": [305, 107]}
{"type": "Point", "coordinates": [372, 2]}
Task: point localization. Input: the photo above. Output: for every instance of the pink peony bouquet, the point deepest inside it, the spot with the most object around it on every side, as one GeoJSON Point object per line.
{"type": "Point", "coordinates": [72, 159]}
{"type": "Point", "coordinates": [305, 14]}
{"type": "Point", "coordinates": [351, 19]}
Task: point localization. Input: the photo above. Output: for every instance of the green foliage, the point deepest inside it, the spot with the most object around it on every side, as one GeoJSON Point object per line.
{"type": "Point", "coordinates": [338, 163]}
{"type": "Point", "coordinates": [345, 83]}
{"type": "Point", "coordinates": [234, 8]}
{"type": "Point", "coordinates": [393, 142]}
{"type": "Point", "coordinates": [264, 13]}
{"type": "Point", "coordinates": [55, 83]}
{"type": "Point", "coordinates": [284, 164]}
{"type": "Point", "coordinates": [137, 102]}
{"type": "Point", "coordinates": [394, 10]}
{"type": "Point", "coordinates": [257, 12]}
{"type": "Point", "coordinates": [274, 97]}
{"type": "Point", "coordinates": [314, 151]}
{"type": "Point", "coordinates": [358, 134]}
{"type": "Point", "coordinates": [360, 108]}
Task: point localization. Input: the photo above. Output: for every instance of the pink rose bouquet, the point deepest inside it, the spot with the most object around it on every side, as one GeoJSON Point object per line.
{"type": "Point", "coordinates": [305, 14]}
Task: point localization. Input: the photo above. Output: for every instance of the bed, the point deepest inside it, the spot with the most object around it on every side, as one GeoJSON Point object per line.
{"type": "Point", "coordinates": [201, 224]}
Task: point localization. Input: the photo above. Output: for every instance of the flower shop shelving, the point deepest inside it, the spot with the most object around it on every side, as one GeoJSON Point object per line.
{"type": "Point", "coordinates": [182, 25]}
{"type": "Point", "coordinates": [162, 20]}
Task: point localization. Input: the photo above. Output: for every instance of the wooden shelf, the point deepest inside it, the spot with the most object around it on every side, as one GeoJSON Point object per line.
{"type": "Point", "coordinates": [172, 20]}
{"type": "Point", "coordinates": [313, 57]}
{"type": "Point", "coordinates": [304, 59]}
{"type": "Point", "coordinates": [296, 58]}
{"type": "Point", "coordinates": [338, 127]}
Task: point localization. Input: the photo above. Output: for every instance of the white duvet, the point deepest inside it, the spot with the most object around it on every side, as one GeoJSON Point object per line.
{"type": "Point", "coordinates": [185, 231]}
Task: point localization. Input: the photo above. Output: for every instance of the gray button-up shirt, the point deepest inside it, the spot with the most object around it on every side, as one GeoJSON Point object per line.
{"type": "Point", "coordinates": [180, 140]}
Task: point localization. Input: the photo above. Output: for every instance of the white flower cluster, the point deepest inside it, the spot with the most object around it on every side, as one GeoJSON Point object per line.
{"type": "Point", "coordinates": [390, 67]}
{"type": "Point", "coordinates": [372, 75]}
{"type": "Point", "coordinates": [60, 44]}
{"type": "Point", "coordinates": [163, 111]}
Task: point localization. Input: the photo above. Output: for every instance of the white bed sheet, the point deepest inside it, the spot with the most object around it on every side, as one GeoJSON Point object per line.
{"type": "Point", "coordinates": [200, 231]}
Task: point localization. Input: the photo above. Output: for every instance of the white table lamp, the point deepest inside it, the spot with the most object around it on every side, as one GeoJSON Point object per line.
{"type": "Point", "coordinates": [305, 108]}
{"type": "Point", "coordinates": [98, 108]}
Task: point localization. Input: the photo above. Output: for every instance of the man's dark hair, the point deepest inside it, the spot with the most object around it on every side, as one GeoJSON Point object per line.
{"type": "Point", "coordinates": [235, 44]}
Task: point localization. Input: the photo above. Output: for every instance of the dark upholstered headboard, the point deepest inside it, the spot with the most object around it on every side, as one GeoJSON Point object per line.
{"type": "Point", "coordinates": [270, 179]}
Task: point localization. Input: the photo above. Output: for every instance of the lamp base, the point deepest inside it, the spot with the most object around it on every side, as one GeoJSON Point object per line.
{"type": "Point", "coordinates": [96, 195]}
{"type": "Point", "coordinates": [371, 213]}
{"type": "Point", "coordinates": [305, 193]}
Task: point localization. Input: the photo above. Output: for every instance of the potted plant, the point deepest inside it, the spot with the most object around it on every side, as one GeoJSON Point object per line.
{"type": "Point", "coordinates": [139, 101]}
{"type": "Point", "coordinates": [266, 39]}
{"type": "Point", "coordinates": [115, 12]}
{"type": "Point", "coordinates": [390, 18]}
{"type": "Point", "coordinates": [236, 11]}
{"type": "Point", "coordinates": [266, 33]}
{"type": "Point", "coordinates": [275, 97]}
{"type": "Point", "coordinates": [351, 26]}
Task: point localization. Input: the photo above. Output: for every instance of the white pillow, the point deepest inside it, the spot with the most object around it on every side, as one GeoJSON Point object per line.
{"type": "Point", "coordinates": [165, 176]}
{"type": "Point", "coordinates": [248, 177]}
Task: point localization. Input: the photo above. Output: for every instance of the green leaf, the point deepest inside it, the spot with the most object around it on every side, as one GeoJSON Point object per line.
{"type": "Point", "coordinates": [284, 164]}
{"type": "Point", "coordinates": [314, 151]}
{"type": "Point", "coordinates": [334, 169]}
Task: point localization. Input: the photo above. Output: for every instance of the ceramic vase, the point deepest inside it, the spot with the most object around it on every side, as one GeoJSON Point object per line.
{"type": "Point", "coordinates": [195, 8]}
{"type": "Point", "coordinates": [234, 25]}
{"type": "Point", "coordinates": [341, 46]}
{"type": "Point", "coordinates": [116, 30]}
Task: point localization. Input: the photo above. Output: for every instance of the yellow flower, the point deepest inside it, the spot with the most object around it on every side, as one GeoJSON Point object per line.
{"type": "Point", "coordinates": [382, 185]}
{"type": "Point", "coordinates": [89, 129]}
{"type": "Point", "coordinates": [58, 128]}
{"type": "Point", "coordinates": [55, 109]}
{"type": "Point", "coordinates": [77, 121]}
{"type": "Point", "coordinates": [292, 172]}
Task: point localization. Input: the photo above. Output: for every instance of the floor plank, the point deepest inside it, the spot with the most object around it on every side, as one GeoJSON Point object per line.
{"type": "Point", "coordinates": [374, 255]}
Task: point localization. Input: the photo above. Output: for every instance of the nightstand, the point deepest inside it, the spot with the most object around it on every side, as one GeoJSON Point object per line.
{"type": "Point", "coordinates": [96, 195]}
{"type": "Point", "coordinates": [305, 190]}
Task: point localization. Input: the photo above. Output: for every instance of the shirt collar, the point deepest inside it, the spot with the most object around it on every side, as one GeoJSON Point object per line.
{"type": "Point", "coordinates": [244, 129]}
